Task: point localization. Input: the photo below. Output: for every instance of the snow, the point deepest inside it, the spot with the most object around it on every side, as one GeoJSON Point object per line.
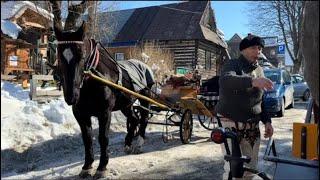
{"type": "Point", "coordinates": [10, 29]}
{"type": "Point", "coordinates": [25, 122]}
{"type": "Point", "coordinates": [75, 2]}
{"type": "Point", "coordinates": [13, 8]}
{"type": "Point", "coordinates": [43, 141]}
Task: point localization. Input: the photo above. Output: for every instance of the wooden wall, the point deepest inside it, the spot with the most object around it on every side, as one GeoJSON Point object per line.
{"type": "Point", "coordinates": [125, 50]}
{"type": "Point", "coordinates": [23, 56]}
{"type": "Point", "coordinates": [208, 59]}
{"type": "Point", "coordinates": [186, 53]}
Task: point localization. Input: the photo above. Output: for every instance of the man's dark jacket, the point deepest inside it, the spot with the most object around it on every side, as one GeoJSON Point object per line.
{"type": "Point", "coordinates": [238, 100]}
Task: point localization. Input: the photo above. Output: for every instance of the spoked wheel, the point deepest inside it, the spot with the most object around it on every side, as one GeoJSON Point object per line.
{"type": "Point", "coordinates": [174, 118]}
{"type": "Point", "coordinates": [206, 122]}
{"type": "Point", "coordinates": [186, 127]}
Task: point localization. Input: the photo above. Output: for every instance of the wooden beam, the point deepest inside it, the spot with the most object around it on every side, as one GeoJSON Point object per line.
{"type": "Point", "coordinates": [8, 77]}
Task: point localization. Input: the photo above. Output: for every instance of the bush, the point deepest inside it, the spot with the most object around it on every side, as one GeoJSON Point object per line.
{"type": "Point", "coordinates": [158, 59]}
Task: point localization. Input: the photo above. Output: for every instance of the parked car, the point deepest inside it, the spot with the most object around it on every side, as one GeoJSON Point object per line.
{"type": "Point", "coordinates": [281, 96]}
{"type": "Point", "coordinates": [301, 88]}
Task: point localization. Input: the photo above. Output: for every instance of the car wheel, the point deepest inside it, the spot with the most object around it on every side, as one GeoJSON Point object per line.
{"type": "Point", "coordinates": [281, 112]}
{"type": "Point", "coordinates": [306, 95]}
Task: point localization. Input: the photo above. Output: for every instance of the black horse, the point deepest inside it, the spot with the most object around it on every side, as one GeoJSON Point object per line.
{"type": "Point", "coordinates": [89, 97]}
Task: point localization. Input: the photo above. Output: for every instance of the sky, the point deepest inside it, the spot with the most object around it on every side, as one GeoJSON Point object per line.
{"type": "Point", "coordinates": [230, 15]}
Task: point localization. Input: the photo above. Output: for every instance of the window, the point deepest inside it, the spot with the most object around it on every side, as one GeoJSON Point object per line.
{"type": "Point", "coordinates": [293, 79]}
{"type": "Point", "coordinates": [299, 79]}
{"type": "Point", "coordinates": [286, 77]}
{"type": "Point", "coordinates": [119, 56]}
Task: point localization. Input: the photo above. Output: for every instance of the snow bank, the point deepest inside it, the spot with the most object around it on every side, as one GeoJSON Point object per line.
{"type": "Point", "coordinates": [12, 8]}
{"type": "Point", "coordinates": [25, 122]}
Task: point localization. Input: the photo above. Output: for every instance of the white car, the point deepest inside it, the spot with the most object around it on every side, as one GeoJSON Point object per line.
{"type": "Point", "coordinates": [301, 88]}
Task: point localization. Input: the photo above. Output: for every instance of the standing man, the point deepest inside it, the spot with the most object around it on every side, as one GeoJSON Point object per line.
{"type": "Point", "coordinates": [242, 84]}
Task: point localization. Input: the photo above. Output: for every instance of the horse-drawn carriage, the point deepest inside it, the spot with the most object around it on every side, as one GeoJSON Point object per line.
{"type": "Point", "coordinates": [182, 100]}
{"type": "Point", "coordinates": [186, 102]}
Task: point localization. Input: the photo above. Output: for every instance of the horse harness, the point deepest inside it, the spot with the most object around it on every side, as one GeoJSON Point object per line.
{"type": "Point", "coordinates": [94, 58]}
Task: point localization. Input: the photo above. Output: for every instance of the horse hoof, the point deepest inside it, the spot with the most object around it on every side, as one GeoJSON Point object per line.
{"type": "Point", "coordinates": [100, 174]}
{"type": "Point", "coordinates": [137, 150]}
{"type": "Point", "coordinates": [128, 149]}
{"type": "Point", "coordinates": [137, 145]}
{"type": "Point", "coordinates": [85, 173]}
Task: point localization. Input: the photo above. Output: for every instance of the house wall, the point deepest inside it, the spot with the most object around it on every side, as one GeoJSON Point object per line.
{"type": "Point", "coordinates": [186, 53]}
{"type": "Point", "coordinates": [183, 51]}
{"type": "Point", "coordinates": [233, 48]}
{"type": "Point", "coordinates": [125, 50]}
{"type": "Point", "coordinates": [22, 64]}
{"type": "Point", "coordinates": [209, 59]}
{"type": "Point", "coordinates": [23, 56]}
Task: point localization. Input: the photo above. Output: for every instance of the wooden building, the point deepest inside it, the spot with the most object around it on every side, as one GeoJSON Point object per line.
{"type": "Point", "coordinates": [25, 52]}
{"type": "Point", "coordinates": [187, 29]}
{"type": "Point", "coordinates": [233, 46]}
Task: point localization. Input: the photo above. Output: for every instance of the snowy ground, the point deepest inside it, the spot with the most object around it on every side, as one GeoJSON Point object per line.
{"type": "Point", "coordinates": [44, 141]}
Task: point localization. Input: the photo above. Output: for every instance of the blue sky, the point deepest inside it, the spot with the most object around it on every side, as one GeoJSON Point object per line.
{"type": "Point", "coordinates": [230, 15]}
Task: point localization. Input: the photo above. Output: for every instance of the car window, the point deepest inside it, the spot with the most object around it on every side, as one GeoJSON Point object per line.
{"type": "Point", "coordinates": [286, 77]}
{"type": "Point", "coordinates": [299, 79]}
{"type": "Point", "coordinates": [274, 76]}
{"type": "Point", "coordinates": [293, 79]}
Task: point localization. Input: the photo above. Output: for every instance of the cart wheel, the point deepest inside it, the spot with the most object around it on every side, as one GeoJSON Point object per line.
{"type": "Point", "coordinates": [174, 118]}
{"type": "Point", "coordinates": [186, 127]}
{"type": "Point", "coordinates": [206, 122]}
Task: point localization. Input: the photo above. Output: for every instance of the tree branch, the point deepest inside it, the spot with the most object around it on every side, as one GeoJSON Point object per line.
{"type": "Point", "coordinates": [74, 12]}
{"type": "Point", "coordinates": [56, 10]}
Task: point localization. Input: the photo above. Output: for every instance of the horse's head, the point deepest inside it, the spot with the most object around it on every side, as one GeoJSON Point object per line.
{"type": "Point", "coordinates": [71, 62]}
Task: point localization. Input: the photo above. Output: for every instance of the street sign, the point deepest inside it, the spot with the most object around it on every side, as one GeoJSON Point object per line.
{"type": "Point", "coordinates": [270, 41]}
{"type": "Point", "coordinates": [281, 49]}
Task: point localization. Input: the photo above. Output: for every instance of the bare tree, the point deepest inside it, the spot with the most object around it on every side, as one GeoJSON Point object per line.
{"type": "Point", "coordinates": [310, 47]}
{"type": "Point", "coordinates": [282, 18]}
{"type": "Point", "coordinates": [103, 22]}
{"type": "Point", "coordinates": [99, 23]}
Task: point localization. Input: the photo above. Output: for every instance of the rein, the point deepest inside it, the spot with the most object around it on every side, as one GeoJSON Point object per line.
{"type": "Point", "coordinates": [93, 59]}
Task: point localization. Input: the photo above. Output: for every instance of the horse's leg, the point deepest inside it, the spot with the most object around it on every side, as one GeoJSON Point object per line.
{"type": "Point", "coordinates": [84, 122]}
{"type": "Point", "coordinates": [104, 126]}
{"type": "Point", "coordinates": [144, 114]}
{"type": "Point", "coordinates": [132, 123]}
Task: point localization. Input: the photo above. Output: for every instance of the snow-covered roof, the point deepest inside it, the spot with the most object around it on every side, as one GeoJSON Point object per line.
{"type": "Point", "coordinates": [9, 28]}
{"type": "Point", "coordinates": [12, 9]}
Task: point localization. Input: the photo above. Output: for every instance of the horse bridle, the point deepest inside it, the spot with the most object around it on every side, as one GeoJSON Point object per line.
{"type": "Point", "coordinates": [92, 52]}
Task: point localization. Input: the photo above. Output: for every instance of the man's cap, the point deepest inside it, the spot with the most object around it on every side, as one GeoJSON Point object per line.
{"type": "Point", "coordinates": [251, 40]}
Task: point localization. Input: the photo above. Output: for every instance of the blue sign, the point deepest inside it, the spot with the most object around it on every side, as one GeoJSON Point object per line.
{"type": "Point", "coordinates": [281, 49]}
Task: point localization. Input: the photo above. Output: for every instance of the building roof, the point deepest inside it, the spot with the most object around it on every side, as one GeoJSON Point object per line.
{"type": "Point", "coordinates": [14, 9]}
{"type": "Point", "coordinates": [178, 21]}
{"type": "Point", "coordinates": [235, 39]}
